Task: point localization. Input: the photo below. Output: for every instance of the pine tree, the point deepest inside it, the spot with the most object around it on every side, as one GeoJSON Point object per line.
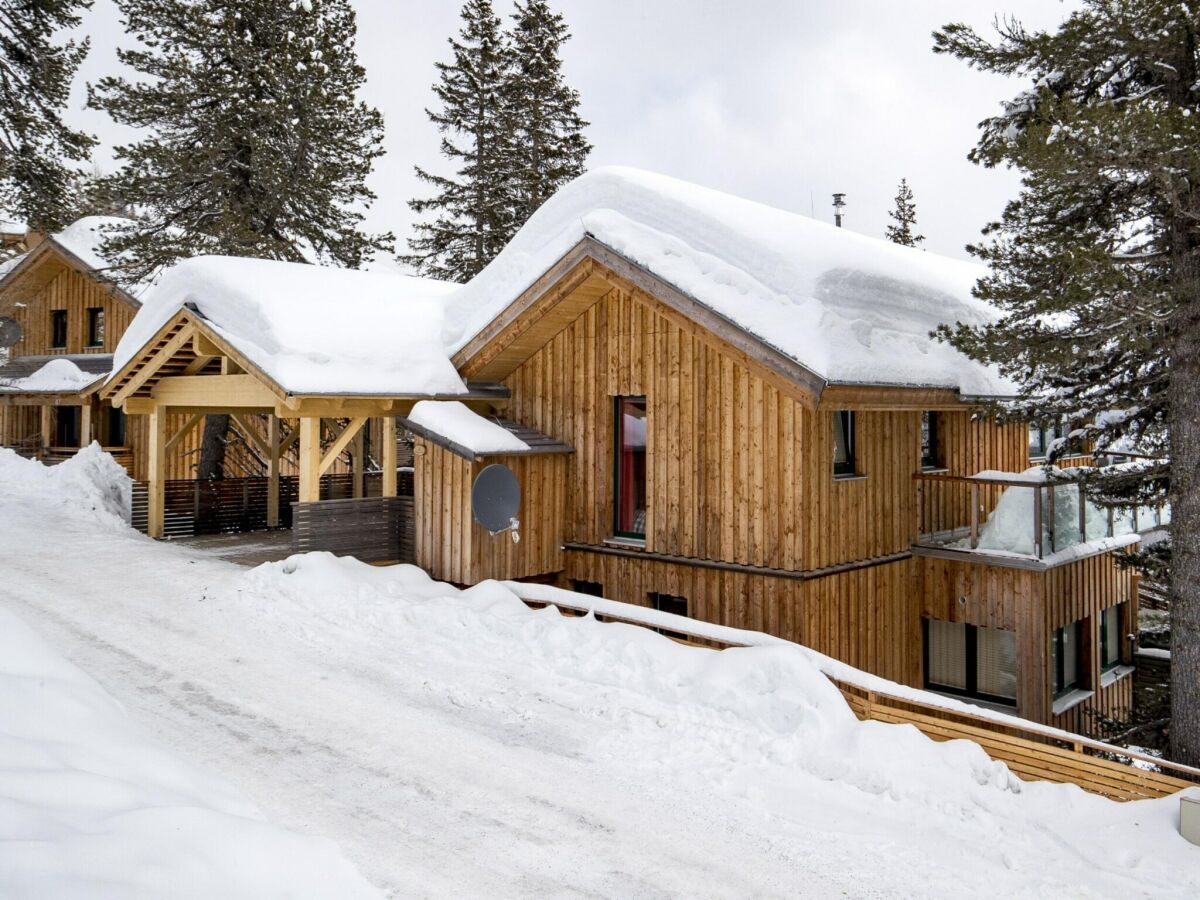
{"type": "Point", "coordinates": [550, 147]}
{"type": "Point", "coordinates": [905, 217]}
{"type": "Point", "coordinates": [36, 145]}
{"type": "Point", "coordinates": [1096, 265]}
{"type": "Point", "coordinates": [255, 144]}
{"type": "Point", "coordinates": [476, 207]}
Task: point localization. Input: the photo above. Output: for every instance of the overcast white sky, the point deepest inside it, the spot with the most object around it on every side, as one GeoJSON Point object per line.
{"type": "Point", "coordinates": [781, 101]}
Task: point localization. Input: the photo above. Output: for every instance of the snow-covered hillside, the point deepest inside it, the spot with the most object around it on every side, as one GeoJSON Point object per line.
{"type": "Point", "coordinates": [458, 743]}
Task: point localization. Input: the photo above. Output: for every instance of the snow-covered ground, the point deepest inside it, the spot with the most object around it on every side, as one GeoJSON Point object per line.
{"type": "Point", "coordinates": [458, 743]}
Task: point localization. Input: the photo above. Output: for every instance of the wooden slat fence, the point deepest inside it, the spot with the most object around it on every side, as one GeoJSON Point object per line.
{"type": "Point", "coordinates": [373, 529]}
{"type": "Point", "coordinates": [1032, 751]}
{"type": "Point", "coordinates": [233, 505]}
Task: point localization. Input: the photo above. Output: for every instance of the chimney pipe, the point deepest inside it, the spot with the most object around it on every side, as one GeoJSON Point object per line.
{"type": "Point", "coordinates": [839, 206]}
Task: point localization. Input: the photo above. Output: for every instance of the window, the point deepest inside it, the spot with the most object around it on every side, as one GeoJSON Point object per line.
{"type": "Point", "coordinates": [95, 326]}
{"type": "Point", "coordinates": [631, 468]}
{"type": "Point", "coordinates": [1041, 436]}
{"type": "Point", "coordinates": [1064, 659]}
{"type": "Point", "coordinates": [971, 661]}
{"type": "Point", "coordinates": [1110, 638]}
{"type": "Point", "coordinates": [669, 603]}
{"type": "Point", "coordinates": [114, 432]}
{"type": "Point", "coordinates": [930, 451]}
{"type": "Point", "coordinates": [843, 442]}
{"type": "Point", "coordinates": [58, 328]}
{"type": "Point", "coordinates": [66, 426]}
{"type": "Point", "coordinates": [591, 588]}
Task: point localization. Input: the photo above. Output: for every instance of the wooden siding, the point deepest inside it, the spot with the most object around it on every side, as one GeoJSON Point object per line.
{"type": "Point", "coordinates": [76, 293]}
{"type": "Point", "coordinates": [865, 617]}
{"type": "Point", "coordinates": [452, 546]}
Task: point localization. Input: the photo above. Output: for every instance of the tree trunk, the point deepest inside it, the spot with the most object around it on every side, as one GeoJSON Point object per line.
{"type": "Point", "coordinates": [1184, 398]}
{"type": "Point", "coordinates": [212, 448]}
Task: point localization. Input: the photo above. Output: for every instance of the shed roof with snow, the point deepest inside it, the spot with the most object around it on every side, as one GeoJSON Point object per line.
{"type": "Point", "coordinates": [461, 430]}
{"type": "Point", "coordinates": [848, 308]}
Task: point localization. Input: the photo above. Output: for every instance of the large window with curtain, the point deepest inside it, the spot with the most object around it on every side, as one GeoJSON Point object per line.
{"type": "Point", "coordinates": [630, 505]}
{"type": "Point", "coordinates": [971, 661]}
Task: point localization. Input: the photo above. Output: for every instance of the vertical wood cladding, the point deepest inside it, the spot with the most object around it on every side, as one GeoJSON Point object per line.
{"type": "Point", "coordinates": [75, 293]}
{"type": "Point", "coordinates": [452, 546]}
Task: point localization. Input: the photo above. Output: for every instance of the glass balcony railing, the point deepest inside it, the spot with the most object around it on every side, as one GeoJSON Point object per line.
{"type": "Point", "coordinates": [1019, 514]}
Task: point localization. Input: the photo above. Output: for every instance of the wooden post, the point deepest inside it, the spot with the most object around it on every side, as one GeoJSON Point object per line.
{"type": "Point", "coordinates": [1053, 516]}
{"type": "Point", "coordinates": [47, 430]}
{"type": "Point", "coordinates": [157, 467]}
{"type": "Point", "coordinates": [85, 423]}
{"type": "Point", "coordinates": [1037, 521]}
{"type": "Point", "coordinates": [1082, 515]}
{"type": "Point", "coordinates": [310, 459]}
{"type": "Point", "coordinates": [388, 456]}
{"type": "Point", "coordinates": [358, 457]}
{"type": "Point", "coordinates": [273, 449]}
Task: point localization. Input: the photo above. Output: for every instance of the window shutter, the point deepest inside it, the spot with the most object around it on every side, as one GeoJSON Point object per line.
{"type": "Point", "coordinates": [947, 654]}
{"type": "Point", "coordinates": [996, 662]}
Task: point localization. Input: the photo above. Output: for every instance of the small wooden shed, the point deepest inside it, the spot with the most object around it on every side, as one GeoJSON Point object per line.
{"type": "Point", "coordinates": [449, 453]}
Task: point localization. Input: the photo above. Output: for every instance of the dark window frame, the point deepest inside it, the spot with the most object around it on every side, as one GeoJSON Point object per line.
{"type": "Point", "coordinates": [1047, 432]}
{"type": "Point", "coordinates": [660, 601]}
{"type": "Point", "coordinates": [115, 427]}
{"type": "Point", "coordinates": [1059, 686]}
{"type": "Point", "coordinates": [588, 588]}
{"type": "Point", "coordinates": [1105, 665]}
{"type": "Point", "coordinates": [58, 325]}
{"type": "Point", "coordinates": [930, 424]}
{"type": "Point", "coordinates": [95, 326]}
{"type": "Point", "coordinates": [847, 422]}
{"type": "Point", "coordinates": [970, 661]}
{"type": "Point", "coordinates": [618, 443]}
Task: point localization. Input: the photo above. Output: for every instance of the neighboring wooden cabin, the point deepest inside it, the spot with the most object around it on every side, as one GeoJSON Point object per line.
{"type": "Point", "coordinates": [66, 309]}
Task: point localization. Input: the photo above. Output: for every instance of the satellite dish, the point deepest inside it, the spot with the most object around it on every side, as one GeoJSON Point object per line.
{"type": "Point", "coordinates": [10, 331]}
{"type": "Point", "coordinates": [496, 499]}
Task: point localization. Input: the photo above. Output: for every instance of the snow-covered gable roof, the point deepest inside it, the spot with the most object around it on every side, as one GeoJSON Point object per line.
{"type": "Point", "coordinates": [310, 329]}
{"type": "Point", "coordinates": [850, 308]}
{"type": "Point", "coordinates": [83, 238]}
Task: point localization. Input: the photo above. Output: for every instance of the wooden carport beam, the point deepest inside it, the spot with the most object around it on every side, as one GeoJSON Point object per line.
{"type": "Point", "coordinates": [155, 514]}
{"type": "Point", "coordinates": [179, 435]}
{"type": "Point", "coordinates": [275, 446]}
{"type": "Point", "coordinates": [160, 358]}
{"type": "Point", "coordinates": [343, 441]}
{"type": "Point", "coordinates": [310, 459]}
{"type": "Point", "coordinates": [388, 457]}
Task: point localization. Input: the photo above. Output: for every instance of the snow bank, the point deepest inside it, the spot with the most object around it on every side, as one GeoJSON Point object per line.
{"type": "Point", "coordinates": [56, 375]}
{"type": "Point", "coordinates": [90, 808]}
{"type": "Point", "coordinates": [849, 307]}
{"type": "Point", "coordinates": [90, 485]}
{"type": "Point", "coordinates": [457, 423]}
{"type": "Point", "coordinates": [312, 329]}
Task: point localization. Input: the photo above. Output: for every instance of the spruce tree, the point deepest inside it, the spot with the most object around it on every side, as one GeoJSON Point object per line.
{"type": "Point", "coordinates": [550, 147]}
{"type": "Point", "coordinates": [905, 217]}
{"type": "Point", "coordinates": [1096, 265]}
{"type": "Point", "coordinates": [36, 146]}
{"type": "Point", "coordinates": [476, 206]}
{"type": "Point", "coordinates": [254, 142]}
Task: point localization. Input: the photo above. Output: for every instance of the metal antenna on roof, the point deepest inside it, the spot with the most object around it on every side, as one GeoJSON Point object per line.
{"type": "Point", "coordinates": [839, 206]}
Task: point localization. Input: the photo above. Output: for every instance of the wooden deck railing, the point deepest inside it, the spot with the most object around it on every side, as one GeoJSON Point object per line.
{"type": "Point", "coordinates": [1033, 752]}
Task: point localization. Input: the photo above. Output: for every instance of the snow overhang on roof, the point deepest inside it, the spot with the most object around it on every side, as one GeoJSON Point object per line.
{"type": "Point", "coordinates": [311, 330]}
{"type": "Point", "coordinates": [53, 374]}
{"type": "Point", "coordinates": [456, 427]}
{"type": "Point", "coordinates": [78, 245]}
{"type": "Point", "coordinates": [849, 308]}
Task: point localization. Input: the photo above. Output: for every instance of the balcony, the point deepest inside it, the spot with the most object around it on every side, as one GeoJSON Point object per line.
{"type": "Point", "coordinates": [1021, 517]}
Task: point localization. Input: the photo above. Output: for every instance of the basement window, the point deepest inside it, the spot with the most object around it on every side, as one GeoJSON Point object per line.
{"type": "Point", "coordinates": [95, 326]}
{"type": "Point", "coordinates": [630, 463]}
{"type": "Point", "coordinates": [844, 439]}
{"type": "Point", "coordinates": [971, 661]}
{"type": "Point", "coordinates": [591, 588]}
{"type": "Point", "coordinates": [669, 603]}
{"type": "Point", "coordinates": [58, 329]}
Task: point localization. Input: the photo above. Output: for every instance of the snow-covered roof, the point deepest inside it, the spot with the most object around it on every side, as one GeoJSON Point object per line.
{"type": "Point", "coordinates": [457, 423]}
{"type": "Point", "coordinates": [84, 236]}
{"type": "Point", "coordinates": [850, 308]}
{"type": "Point", "coordinates": [11, 263]}
{"type": "Point", "coordinates": [56, 376]}
{"type": "Point", "coordinates": [311, 329]}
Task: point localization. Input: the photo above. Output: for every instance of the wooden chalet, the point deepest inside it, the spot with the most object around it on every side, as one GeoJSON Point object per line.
{"type": "Point", "coordinates": [721, 410]}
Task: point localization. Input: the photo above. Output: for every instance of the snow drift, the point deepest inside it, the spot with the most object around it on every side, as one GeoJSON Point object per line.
{"type": "Point", "coordinates": [91, 485]}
